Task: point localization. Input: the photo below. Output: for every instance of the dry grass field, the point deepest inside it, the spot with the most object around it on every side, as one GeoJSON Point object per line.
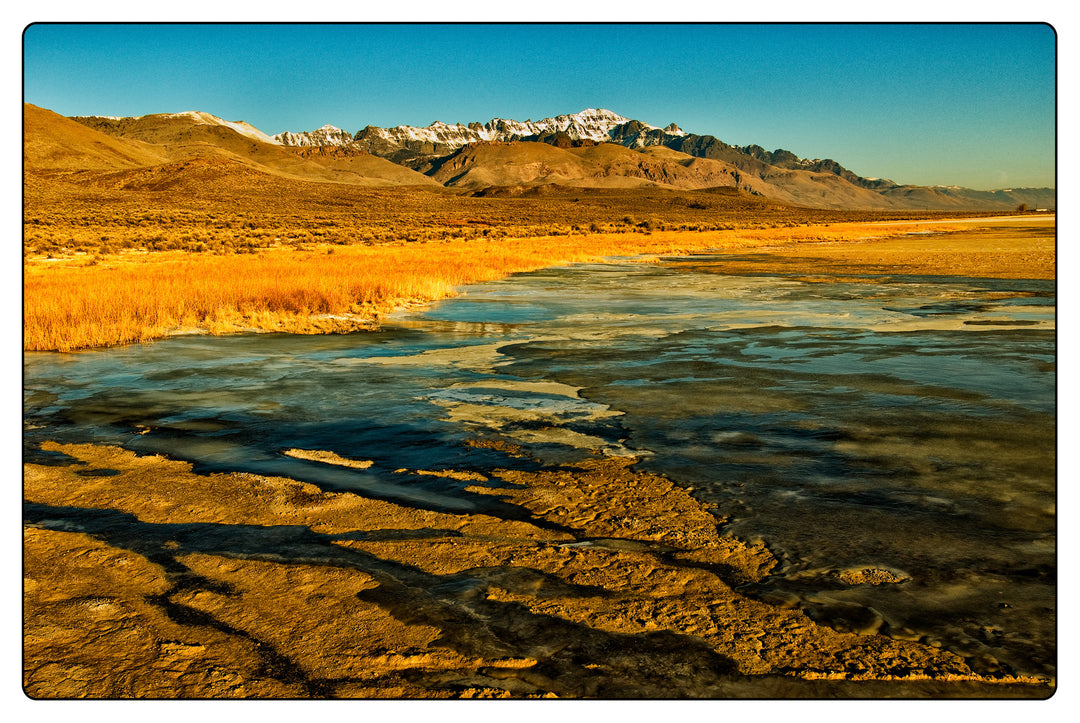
{"type": "Point", "coordinates": [104, 299]}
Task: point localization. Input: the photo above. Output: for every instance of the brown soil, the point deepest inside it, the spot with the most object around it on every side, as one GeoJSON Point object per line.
{"type": "Point", "coordinates": [144, 579]}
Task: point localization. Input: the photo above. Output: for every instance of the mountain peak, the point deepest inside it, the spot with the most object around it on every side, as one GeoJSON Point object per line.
{"type": "Point", "coordinates": [328, 135]}
{"type": "Point", "coordinates": [599, 115]}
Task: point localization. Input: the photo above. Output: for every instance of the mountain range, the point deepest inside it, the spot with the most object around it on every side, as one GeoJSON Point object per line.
{"type": "Point", "coordinates": [595, 148]}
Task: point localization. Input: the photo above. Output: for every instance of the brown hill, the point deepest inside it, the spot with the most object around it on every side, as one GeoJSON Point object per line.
{"type": "Point", "coordinates": [808, 188]}
{"type": "Point", "coordinates": [819, 189]}
{"type": "Point", "coordinates": [181, 136]}
{"type": "Point", "coordinates": [53, 142]}
{"type": "Point", "coordinates": [350, 165]}
{"type": "Point", "coordinates": [604, 165]}
{"type": "Point", "coordinates": [480, 165]}
{"type": "Point", "coordinates": [64, 157]}
{"type": "Point", "coordinates": [660, 165]}
{"type": "Point", "coordinates": [609, 165]}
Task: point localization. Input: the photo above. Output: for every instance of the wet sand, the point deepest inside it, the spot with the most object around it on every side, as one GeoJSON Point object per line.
{"type": "Point", "coordinates": [144, 579]}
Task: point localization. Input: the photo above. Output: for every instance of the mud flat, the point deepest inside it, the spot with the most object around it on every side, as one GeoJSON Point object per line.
{"type": "Point", "coordinates": [145, 579]}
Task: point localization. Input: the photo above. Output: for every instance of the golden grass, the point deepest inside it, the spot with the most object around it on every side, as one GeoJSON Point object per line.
{"type": "Point", "coordinates": [136, 297]}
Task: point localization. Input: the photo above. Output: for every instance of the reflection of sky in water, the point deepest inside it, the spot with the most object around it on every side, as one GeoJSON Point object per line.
{"type": "Point", "coordinates": [906, 424]}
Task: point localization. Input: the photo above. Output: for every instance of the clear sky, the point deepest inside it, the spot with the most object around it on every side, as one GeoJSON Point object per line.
{"type": "Point", "coordinates": [964, 104]}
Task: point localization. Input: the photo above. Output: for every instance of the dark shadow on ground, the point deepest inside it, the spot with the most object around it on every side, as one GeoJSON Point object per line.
{"type": "Point", "coordinates": [573, 660]}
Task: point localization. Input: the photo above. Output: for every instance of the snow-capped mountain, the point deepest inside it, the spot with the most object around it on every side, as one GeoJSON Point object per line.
{"type": "Point", "coordinates": [591, 124]}
{"type": "Point", "coordinates": [328, 135]}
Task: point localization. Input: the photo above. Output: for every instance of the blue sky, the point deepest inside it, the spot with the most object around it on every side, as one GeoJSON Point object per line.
{"type": "Point", "coordinates": [965, 104]}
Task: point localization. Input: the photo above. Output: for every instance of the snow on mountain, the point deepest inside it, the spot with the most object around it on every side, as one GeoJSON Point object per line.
{"type": "Point", "coordinates": [240, 127]}
{"type": "Point", "coordinates": [590, 124]}
{"type": "Point", "coordinates": [199, 118]}
{"type": "Point", "coordinates": [328, 135]}
{"type": "Point", "coordinates": [594, 124]}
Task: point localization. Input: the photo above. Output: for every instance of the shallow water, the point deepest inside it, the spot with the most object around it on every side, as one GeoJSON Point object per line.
{"type": "Point", "coordinates": [904, 424]}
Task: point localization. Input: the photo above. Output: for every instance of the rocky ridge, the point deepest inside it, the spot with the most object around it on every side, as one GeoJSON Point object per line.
{"type": "Point", "coordinates": [590, 124]}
